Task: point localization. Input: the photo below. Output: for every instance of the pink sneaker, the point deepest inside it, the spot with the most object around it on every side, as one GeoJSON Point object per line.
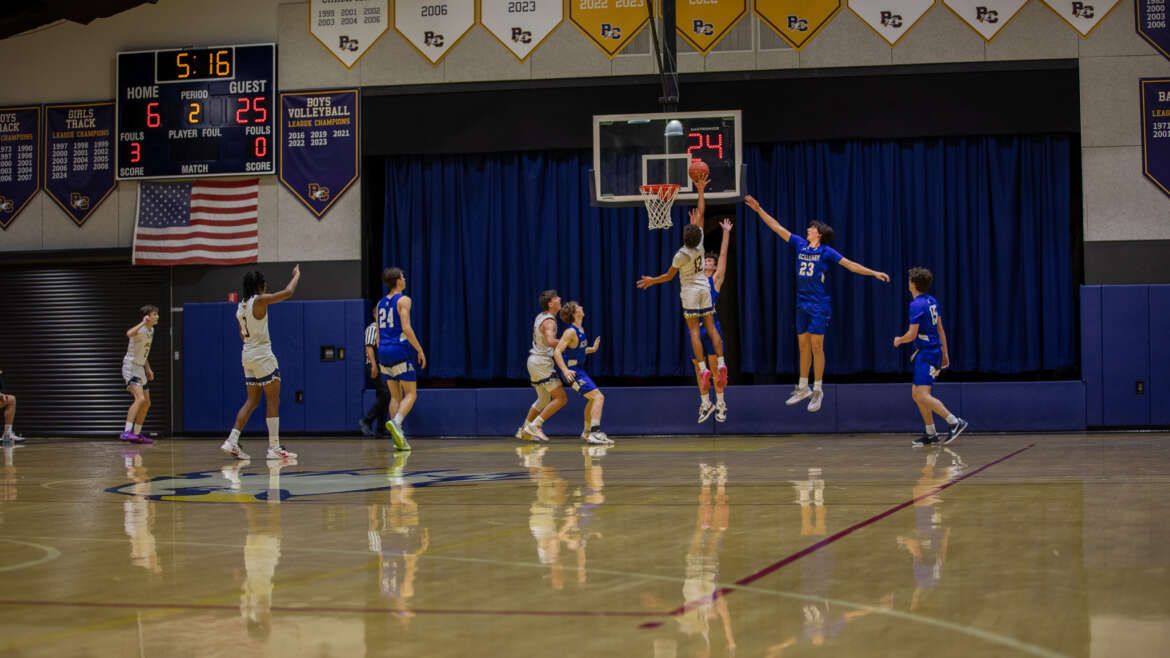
{"type": "Point", "coordinates": [721, 378]}
{"type": "Point", "coordinates": [142, 438]}
{"type": "Point", "coordinates": [704, 380]}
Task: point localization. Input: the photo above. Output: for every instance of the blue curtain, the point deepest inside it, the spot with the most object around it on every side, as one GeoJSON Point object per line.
{"type": "Point", "coordinates": [480, 236]}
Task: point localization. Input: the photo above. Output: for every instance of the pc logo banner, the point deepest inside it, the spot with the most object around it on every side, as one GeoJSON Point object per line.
{"type": "Point", "coordinates": [1155, 97]}
{"type": "Point", "coordinates": [347, 28]}
{"type": "Point", "coordinates": [891, 19]}
{"type": "Point", "coordinates": [1150, 17]}
{"type": "Point", "coordinates": [521, 25]}
{"type": "Point", "coordinates": [318, 146]}
{"type": "Point", "coordinates": [986, 17]}
{"type": "Point", "coordinates": [20, 168]}
{"type": "Point", "coordinates": [797, 21]}
{"type": "Point", "coordinates": [704, 23]}
{"type": "Point", "coordinates": [1082, 15]}
{"type": "Point", "coordinates": [610, 24]}
{"type": "Point", "coordinates": [433, 27]}
{"type": "Point", "coordinates": [79, 157]}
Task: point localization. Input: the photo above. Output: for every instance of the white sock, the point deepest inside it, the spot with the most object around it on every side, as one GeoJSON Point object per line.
{"type": "Point", "coordinates": [719, 397]}
{"type": "Point", "coordinates": [273, 431]}
{"type": "Point", "coordinates": [596, 422]}
{"type": "Point", "coordinates": [803, 383]}
{"type": "Point", "coordinates": [720, 362]}
{"type": "Point", "coordinates": [538, 421]}
{"type": "Point", "coordinates": [817, 385]}
{"type": "Point", "coordinates": [398, 419]}
{"type": "Point", "coordinates": [138, 428]}
{"type": "Point", "coordinates": [234, 436]}
{"type": "Point", "coordinates": [951, 419]}
{"type": "Point", "coordinates": [129, 426]}
{"type": "Point", "coordinates": [702, 399]}
{"type": "Point", "coordinates": [930, 430]}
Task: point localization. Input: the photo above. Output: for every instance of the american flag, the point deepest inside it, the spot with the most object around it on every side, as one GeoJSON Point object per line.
{"type": "Point", "coordinates": [201, 222]}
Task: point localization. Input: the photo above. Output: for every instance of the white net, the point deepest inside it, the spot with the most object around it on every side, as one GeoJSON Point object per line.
{"type": "Point", "coordinates": [659, 199]}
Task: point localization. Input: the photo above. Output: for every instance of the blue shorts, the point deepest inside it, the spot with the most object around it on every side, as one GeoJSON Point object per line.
{"type": "Point", "coordinates": [811, 321]}
{"type": "Point", "coordinates": [926, 368]}
{"type": "Point", "coordinates": [398, 363]}
{"type": "Point", "coordinates": [582, 383]}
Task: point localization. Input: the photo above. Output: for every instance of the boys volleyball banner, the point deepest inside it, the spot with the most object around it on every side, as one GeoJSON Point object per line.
{"type": "Point", "coordinates": [347, 28]}
{"type": "Point", "coordinates": [318, 146]}
{"type": "Point", "coordinates": [79, 157]}
{"type": "Point", "coordinates": [797, 21]}
{"type": "Point", "coordinates": [1155, 97]}
{"type": "Point", "coordinates": [20, 167]}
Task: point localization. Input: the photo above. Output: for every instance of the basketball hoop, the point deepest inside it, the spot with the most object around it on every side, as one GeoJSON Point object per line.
{"type": "Point", "coordinates": [659, 199]}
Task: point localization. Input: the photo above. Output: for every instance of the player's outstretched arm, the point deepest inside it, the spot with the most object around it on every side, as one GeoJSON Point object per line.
{"type": "Point", "coordinates": [408, 330]}
{"type": "Point", "coordinates": [721, 267]}
{"type": "Point", "coordinates": [858, 268]}
{"type": "Point", "coordinates": [699, 213]}
{"type": "Point", "coordinates": [647, 281]}
{"type": "Point", "coordinates": [262, 301]}
{"type": "Point", "coordinates": [568, 337]}
{"type": "Point", "coordinates": [942, 338]}
{"type": "Point", "coordinates": [768, 220]}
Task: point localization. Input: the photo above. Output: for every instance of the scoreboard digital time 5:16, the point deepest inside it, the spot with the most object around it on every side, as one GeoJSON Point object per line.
{"type": "Point", "coordinates": [202, 112]}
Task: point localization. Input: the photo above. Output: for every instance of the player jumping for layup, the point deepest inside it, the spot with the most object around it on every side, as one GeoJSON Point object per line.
{"type": "Point", "coordinates": [695, 291]}
{"type": "Point", "coordinates": [813, 309]}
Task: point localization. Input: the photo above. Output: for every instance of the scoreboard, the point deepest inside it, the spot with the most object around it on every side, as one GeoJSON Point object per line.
{"type": "Point", "coordinates": [197, 112]}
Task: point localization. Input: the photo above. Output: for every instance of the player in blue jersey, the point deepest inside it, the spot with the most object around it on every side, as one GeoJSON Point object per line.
{"type": "Point", "coordinates": [930, 357]}
{"type": "Point", "coordinates": [570, 359]}
{"type": "Point", "coordinates": [813, 309]}
{"type": "Point", "coordinates": [400, 356]}
{"type": "Point", "coordinates": [715, 267]}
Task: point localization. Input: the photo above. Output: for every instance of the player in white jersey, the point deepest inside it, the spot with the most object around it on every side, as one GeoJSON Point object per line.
{"type": "Point", "coordinates": [261, 371]}
{"type": "Point", "coordinates": [696, 293]}
{"type": "Point", "coordinates": [542, 369]}
{"type": "Point", "coordinates": [136, 373]}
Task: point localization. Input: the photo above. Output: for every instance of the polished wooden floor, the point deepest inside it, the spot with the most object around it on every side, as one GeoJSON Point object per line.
{"type": "Point", "coordinates": [828, 545]}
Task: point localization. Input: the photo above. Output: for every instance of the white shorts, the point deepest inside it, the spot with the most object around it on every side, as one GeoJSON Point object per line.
{"type": "Point", "coordinates": [261, 370]}
{"type": "Point", "coordinates": [542, 371]}
{"type": "Point", "coordinates": [132, 373]}
{"type": "Point", "coordinates": [696, 303]}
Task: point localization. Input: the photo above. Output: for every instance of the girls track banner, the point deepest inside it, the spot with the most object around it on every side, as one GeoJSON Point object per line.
{"type": "Point", "coordinates": [1150, 17]}
{"type": "Point", "coordinates": [19, 159]}
{"type": "Point", "coordinates": [1155, 97]}
{"type": "Point", "coordinates": [318, 145]}
{"type": "Point", "coordinates": [79, 151]}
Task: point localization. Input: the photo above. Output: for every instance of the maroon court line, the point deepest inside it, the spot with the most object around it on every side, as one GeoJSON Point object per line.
{"type": "Point", "coordinates": [309, 610]}
{"type": "Point", "coordinates": [724, 591]}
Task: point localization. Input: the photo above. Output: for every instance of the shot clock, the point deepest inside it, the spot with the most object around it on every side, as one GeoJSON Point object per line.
{"type": "Point", "coordinates": [197, 112]}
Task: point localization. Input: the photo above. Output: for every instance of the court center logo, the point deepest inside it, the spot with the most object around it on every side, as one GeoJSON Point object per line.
{"type": "Point", "coordinates": [251, 484]}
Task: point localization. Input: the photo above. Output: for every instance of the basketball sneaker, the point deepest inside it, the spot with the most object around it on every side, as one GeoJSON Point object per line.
{"type": "Point", "coordinates": [705, 410]}
{"type": "Point", "coordinates": [797, 395]}
{"type": "Point", "coordinates": [593, 438]}
{"type": "Point", "coordinates": [366, 427]}
{"type": "Point", "coordinates": [535, 432]}
{"type": "Point", "coordinates": [814, 402]}
{"type": "Point", "coordinates": [604, 437]}
{"type": "Point", "coordinates": [126, 436]}
{"type": "Point", "coordinates": [232, 448]}
{"type": "Point", "coordinates": [142, 438]}
{"type": "Point", "coordinates": [12, 437]}
{"type": "Point", "coordinates": [399, 438]}
{"type": "Point", "coordinates": [280, 453]}
{"type": "Point", "coordinates": [520, 433]}
{"type": "Point", "coordinates": [721, 377]}
{"type": "Point", "coordinates": [925, 440]}
{"type": "Point", "coordinates": [721, 412]}
{"type": "Point", "coordinates": [704, 379]}
{"type": "Point", "coordinates": [955, 431]}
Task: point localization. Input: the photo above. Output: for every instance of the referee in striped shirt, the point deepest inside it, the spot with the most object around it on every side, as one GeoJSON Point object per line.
{"type": "Point", "coordinates": [378, 412]}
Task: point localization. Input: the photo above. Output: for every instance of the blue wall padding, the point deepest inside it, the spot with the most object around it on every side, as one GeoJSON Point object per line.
{"type": "Point", "coordinates": [443, 412]}
{"type": "Point", "coordinates": [889, 407]}
{"type": "Point", "coordinates": [286, 325]}
{"type": "Point", "coordinates": [202, 368]}
{"type": "Point", "coordinates": [1091, 350]}
{"type": "Point", "coordinates": [356, 318]}
{"type": "Point", "coordinates": [1024, 406]}
{"type": "Point", "coordinates": [1125, 335]}
{"type": "Point", "coordinates": [1159, 385]}
{"type": "Point", "coordinates": [761, 410]}
{"type": "Point", "coordinates": [325, 381]}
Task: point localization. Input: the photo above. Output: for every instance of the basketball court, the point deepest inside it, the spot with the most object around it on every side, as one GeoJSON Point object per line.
{"type": "Point", "coordinates": [995, 545]}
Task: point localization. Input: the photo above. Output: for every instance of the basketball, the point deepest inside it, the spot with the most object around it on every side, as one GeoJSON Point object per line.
{"type": "Point", "coordinates": [698, 169]}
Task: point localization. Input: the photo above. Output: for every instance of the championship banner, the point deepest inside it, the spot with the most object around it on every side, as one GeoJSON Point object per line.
{"type": "Point", "coordinates": [797, 21]}
{"type": "Point", "coordinates": [521, 25]}
{"type": "Point", "coordinates": [20, 169]}
{"type": "Point", "coordinates": [1155, 95]}
{"type": "Point", "coordinates": [891, 19]}
{"type": "Point", "coordinates": [704, 22]}
{"type": "Point", "coordinates": [609, 23]}
{"type": "Point", "coordinates": [986, 17]}
{"type": "Point", "coordinates": [1082, 15]}
{"type": "Point", "coordinates": [1151, 24]}
{"type": "Point", "coordinates": [79, 157]}
{"type": "Point", "coordinates": [347, 28]}
{"type": "Point", "coordinates": [318, 145]}
{"type": "Point", "coordinates": [433, 27]}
